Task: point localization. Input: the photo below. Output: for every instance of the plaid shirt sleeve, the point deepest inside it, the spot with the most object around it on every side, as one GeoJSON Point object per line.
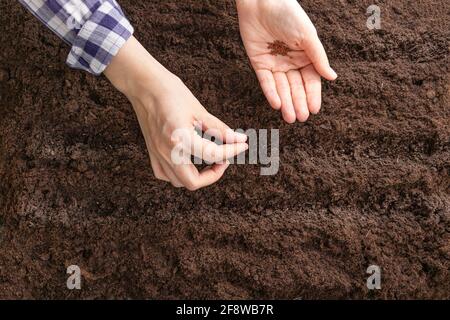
{"type": "Point", "coordinates": [96, 29]}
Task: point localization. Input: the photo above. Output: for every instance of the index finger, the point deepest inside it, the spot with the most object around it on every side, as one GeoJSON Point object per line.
{"type": "Point", "coordinates": [212, 152]}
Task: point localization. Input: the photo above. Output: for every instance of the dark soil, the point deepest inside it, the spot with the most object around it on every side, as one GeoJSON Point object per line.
{"type": "Point", "coordinates": [365, 182]}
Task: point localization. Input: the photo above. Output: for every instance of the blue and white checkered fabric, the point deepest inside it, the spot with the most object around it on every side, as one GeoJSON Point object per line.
{"type": "Point", "coordinates": [96, 29]}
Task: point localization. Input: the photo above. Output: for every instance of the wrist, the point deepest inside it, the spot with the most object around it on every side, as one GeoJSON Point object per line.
{"type": "Point", "coordinates": [135, 73]}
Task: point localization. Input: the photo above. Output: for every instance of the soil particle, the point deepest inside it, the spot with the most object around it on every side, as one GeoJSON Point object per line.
{"type": "Point", "coordinates": [4, 75]}
{"type": "Point", "coordinates": [431, 94]}
{"type": "Point", "coordinates": [72, 106]}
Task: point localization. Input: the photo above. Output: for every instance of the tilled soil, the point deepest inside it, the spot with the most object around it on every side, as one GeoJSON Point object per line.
{"type": "Point", "coordinates": [365, 182]}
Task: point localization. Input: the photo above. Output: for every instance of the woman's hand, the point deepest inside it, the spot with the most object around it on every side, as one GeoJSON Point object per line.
{"type": "Point", "coordinates": [287, 55]}
{"type": "Point", "coordinates": [168, 114]}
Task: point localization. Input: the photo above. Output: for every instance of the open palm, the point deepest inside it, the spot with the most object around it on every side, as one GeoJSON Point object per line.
{"type": "Point", "coordinates": [287, 55]}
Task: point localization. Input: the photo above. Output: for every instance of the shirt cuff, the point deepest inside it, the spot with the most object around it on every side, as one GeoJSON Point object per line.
{"type": "Point", "coordinates": [100, 39]}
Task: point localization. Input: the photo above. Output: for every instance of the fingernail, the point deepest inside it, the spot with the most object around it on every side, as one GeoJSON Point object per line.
{"type": "Point", "coordinates": [335, 75]}
{"type": "Point", "coordinates": [240, 137]}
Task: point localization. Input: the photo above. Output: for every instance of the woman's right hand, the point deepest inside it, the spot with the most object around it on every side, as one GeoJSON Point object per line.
{"type": "Point", "coordinates": [169, 115]}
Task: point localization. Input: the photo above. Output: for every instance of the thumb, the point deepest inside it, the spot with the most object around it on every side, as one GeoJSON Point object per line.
{"type": "Point", "coordinates": [216, 128]}
{"type": "Point", "coordinates": [316, 53]}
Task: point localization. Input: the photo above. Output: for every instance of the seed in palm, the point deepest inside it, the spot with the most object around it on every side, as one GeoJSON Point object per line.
{"type": "Point", "coordinates": [278, 48]}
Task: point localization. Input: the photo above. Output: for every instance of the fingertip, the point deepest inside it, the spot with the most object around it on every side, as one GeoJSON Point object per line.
{"type": "Point", "coordinates": [274, 100]}
{"type": "Point", "coordinates": [276, 103]}
{"type": "Point", "coordinates": [289, 118]}
{"type": "Point", "coordinates": [333, 74]}
{"type": "Point", "coordinates": [303, 116]}
{"type": "Point", "coordinates": [288, 113]}
{"type": "Point", "coordinates": [244, 147]}
{"type": "Point", "coordinates": [232, 136]}
{"type": "Point", "coordinates": [240, 137]}
{"type": "Point", "coordinates": [314, 105]}
{"type": "Point", "coordinates": [324, 71]}
{"type": "Point", "coordinates": [327, 72]}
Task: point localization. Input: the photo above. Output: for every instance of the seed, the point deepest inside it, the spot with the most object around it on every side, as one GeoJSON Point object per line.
{"type": "Point", "coordinates": [278, 48]}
